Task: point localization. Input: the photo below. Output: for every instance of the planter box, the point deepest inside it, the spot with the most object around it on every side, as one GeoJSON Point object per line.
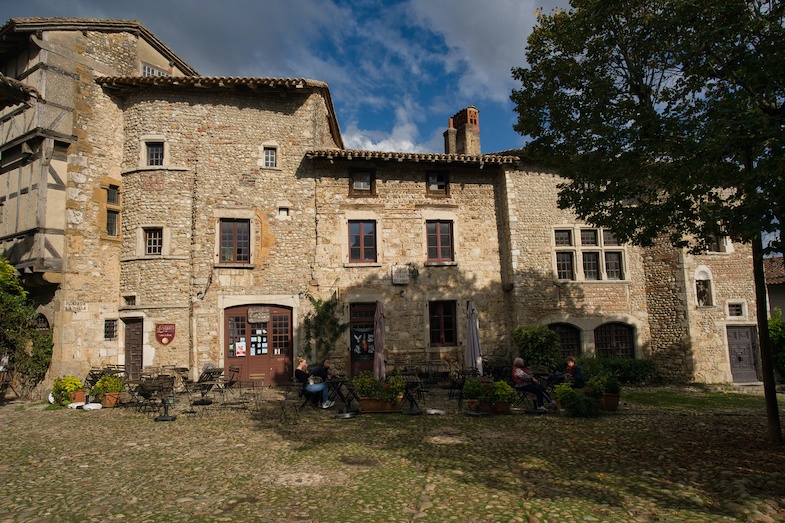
{"type": "Point", "coordinates": [110, 399]}
{"type": "Point", "coordinates": [610, 402]}
{"type": "Point", "coordinates": [371, 406]}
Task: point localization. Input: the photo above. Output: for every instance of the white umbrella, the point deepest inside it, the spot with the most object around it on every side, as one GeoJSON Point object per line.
{"type": "Point", "coordinates": [473, 356]}
{"type": "Point", "coordinates": [379, 368]}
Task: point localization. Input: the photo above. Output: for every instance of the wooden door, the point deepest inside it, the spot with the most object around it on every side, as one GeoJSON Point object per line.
{"type": "Point", "coordinates": [743, 354]}
{"type": "Point", "coordinates": [134, 338]}
{"type": "Point", "coordinates": [258, 340]}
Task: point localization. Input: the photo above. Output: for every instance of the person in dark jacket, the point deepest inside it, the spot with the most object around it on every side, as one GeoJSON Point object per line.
{"type": "Point", "coordinates": [574, 374]}
{"type": "Point", "coordinates": [302, 375]}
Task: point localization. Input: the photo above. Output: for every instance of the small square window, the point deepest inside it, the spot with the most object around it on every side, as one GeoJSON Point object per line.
{"type": "Point", "coordinates": [438, 184]}
{"type": "Point", "coordinates": [608, 238]}
{"type": "Point", "coordinates": [110, 329]}
{"type": "Point", "coordinates": [563, 237]}
{"type": "Point", "coordinates": [155, 153]}
{"type": "Point", "coordinates": [270, 157]}
{"type": "Point", "coordinates": [112, 221]}
{"type": "Point", "coordinates": [589, 237]}
{"type": "Point", "coordinates": [153, 241]}
{"type": "Point", "coordinates": [129, 300]}
{"type": "Point", "coordinates": [736, 309]}
{"type": "Point", "coordinates": [363, 183]}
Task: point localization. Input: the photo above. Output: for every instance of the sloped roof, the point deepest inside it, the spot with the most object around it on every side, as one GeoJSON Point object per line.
{"type": "Point", "coordinates": [122, 85]}
{"type": "Point", "coordinates": [350, 154]}
{"type": "Point", "coordinates": [16, 31]}
{"type": "Point", "coordinates": [13, 91]}
{"type": "Point", "coordinates": [774, 269]}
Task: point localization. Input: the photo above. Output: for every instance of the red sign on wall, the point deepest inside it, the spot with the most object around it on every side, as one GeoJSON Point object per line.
{"type": "Point", "coordinates": [164, 333]}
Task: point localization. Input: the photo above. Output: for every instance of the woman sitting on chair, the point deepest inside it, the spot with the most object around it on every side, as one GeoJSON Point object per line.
{"type": "Point", "coordinates": [524, 380]}
{"type": "Point", "coordinates": [302, 375]}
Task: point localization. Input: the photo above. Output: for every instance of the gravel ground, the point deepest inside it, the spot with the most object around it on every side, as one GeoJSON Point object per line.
{"type": "Point", "coordinates": [640, 464]}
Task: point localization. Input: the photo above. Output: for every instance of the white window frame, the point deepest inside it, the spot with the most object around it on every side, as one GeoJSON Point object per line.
{"type": "Point", "coordinates": [149, 139]}
{"type": "Point", "coordinates": [262, 160]}
{"type": "Point", "coordinates": [141, 245]}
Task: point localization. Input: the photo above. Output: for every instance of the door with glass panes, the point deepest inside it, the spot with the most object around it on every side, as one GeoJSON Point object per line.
{"type": "Point", "coordinates": [258, 340]}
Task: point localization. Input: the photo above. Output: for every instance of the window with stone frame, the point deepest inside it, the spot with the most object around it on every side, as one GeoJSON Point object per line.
{"type": "Point", "coordinates": [110, 329]}
{"type": "Point", "coordinates": [440, 240]}
{"type": "Point", "coordinates": [736, 310]}
{"type": "Point", "coordinates": [270, 156]}
{"type": "Point", "coordinates": [154, 153]}
{"type": "Point", "coordinates": [235, 237]}
{"type": "Point", "coordinates": [599, 254]}
{"type": "Point", "coordinates": [614, 340]}
{"type": "Point", "coordinates": [362, 241]}
{"type": "Point", "coordinates": [112, 223]}
{"type": "Point", "coordinates": [443, 323]}
{"type": "Point", "coordinates": [153, 241]}
{"type": "Point", "coordinates": [362, 183]}
{"type": "Point", "coordinates": [151, 70]}
{"type": "Point", "coordinates": [437, 184]}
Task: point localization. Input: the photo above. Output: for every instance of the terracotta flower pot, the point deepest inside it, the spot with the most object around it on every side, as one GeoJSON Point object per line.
{"type": "Point", "coordinates": [77, 395]}
{"type": "Point", "coordinates": [503, 407]}
{"type": "Point", "coordinates": [610, 401]}
{"type": "Point", "coordinates": [110, 399]}
{"type": "Point", "coordinates": [370, 405]}
{"type": "Point", "coordinates": [472, 405]}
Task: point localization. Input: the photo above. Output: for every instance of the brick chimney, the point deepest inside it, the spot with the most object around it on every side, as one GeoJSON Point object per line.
{"type": "Point", "coordinates": [463, 133]}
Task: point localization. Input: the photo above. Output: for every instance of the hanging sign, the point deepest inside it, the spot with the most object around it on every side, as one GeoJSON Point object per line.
{"type": "Point", "coordinates": [258, 314]}
{"type": "Point", "coordinates": [164, 333]}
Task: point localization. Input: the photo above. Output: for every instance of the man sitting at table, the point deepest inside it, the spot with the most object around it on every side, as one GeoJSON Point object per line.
{"type": "Point", "coordinates": [311, 385]}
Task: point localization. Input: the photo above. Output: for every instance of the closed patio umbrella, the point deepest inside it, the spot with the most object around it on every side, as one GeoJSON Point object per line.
{"type": "Point", "coordinates": [379, 370]}
{"type": "Point", "coordinates": [473, 356]}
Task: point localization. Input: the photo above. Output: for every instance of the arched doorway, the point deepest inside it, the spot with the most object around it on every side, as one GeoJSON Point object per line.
{"type": "Point", "coordinates": [258, 340]}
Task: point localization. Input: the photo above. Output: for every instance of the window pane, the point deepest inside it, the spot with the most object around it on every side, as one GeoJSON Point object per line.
{"type": "Point", "coordinates": [613, 268]}
{"type": "Point", "coordinates": [439, 240]}
{"type": "Point", "coordinates": [155, 153]}
{"type": "Point", "coordinates": [269, 157]}
{"type": "Point", "coordinates": [443, 323]}
{"type": "Point", "coordinates": [111, 223]}
{"type": "Point", "coordinates": [362, 241]}
{"type": "Point", "coordinates": [563, 237]}
{"type": "Point", "coordinates": [614, 340]}
{"type": "Point", "coordinates": [235, 241]}
{"type": "Point", "coordinates": [735, 309]}
{"type": "Point", "coordinates": [569, 339]}
{"type": "Point", "coordinates": [154, 240]}
{"type": "Point", "coordinates": [110, 329]}
{"type": "Point", "coordinates": [591, 265]}
{"type": "Point", "coordinates": [564, 266]}
{"type": "Point", "coordinates": [608, 238]}
{"type": "Point", "coordinates": [113, 194]}
{"type": "Point", "coordinates": [589, 237]}
{"type": "Point", "coordinates": [362, 183]}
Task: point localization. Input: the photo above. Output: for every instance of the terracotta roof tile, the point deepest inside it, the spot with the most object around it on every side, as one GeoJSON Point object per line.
{"type": "Point", "coordinates": [349, 154]}
{"type": "Point", "coordinates": [774, 269]}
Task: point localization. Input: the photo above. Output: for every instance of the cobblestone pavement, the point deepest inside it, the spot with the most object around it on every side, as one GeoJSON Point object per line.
{"type": "Point", "coordinates": [637, 465]}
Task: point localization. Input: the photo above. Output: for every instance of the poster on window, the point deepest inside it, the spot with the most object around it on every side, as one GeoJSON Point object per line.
{"type": "Point", "coordinates": [362, 343]}
{"type": "Point", "coordinates": [239, 348]}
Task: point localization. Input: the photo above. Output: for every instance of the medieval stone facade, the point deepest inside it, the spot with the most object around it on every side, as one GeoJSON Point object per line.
{"type": "Point", "coordinates": [163, 218]}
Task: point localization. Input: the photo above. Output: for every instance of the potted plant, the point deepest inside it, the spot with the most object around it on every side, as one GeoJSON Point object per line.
{"type": "Point", "coordinates": [610, 399]}
{"type": "Point", "coordinates": [503, 396]}
{"type": "Point", "coordinates": [575, 402]}
{"type": "Point", "coordinates": [595, 387]}
{"type": "Point", "coordinates": [64, 387]}
{"type": "Point", "coordinates": [377, 396]}
{"type": "Point", "coordinates": [107, 390]}
{"type": "Point", "coordinates": [472, 390]}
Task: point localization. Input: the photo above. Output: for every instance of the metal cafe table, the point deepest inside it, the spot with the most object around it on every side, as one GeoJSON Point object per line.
{"type": "Point", "coordinates": [342, 390]}
{"type": "Point", "coordinates": [411, 389]}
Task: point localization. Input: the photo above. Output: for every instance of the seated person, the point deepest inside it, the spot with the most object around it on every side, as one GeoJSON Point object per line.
{"type": "Point", "coordinates": [323, 370]}
{"type": "Point", "coordinates": [574, 374]}
{"type": "Point", "coordinates": [302, 375]}
{"type": "Point", "coordinates": [523, 379]}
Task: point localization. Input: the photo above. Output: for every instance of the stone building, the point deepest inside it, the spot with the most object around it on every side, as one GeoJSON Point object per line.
{"type": "Point", "coordinates": [164, 218]}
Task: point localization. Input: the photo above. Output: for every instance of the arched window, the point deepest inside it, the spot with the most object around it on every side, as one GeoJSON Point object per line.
{"type": "Point", "coordinates": [703, 288]}
{"type": "Point", "coordinates": [569, 338]}
{"type": "Point", "coordinates": [614, 340]}
{"type": "Point", "coordinates": [41, 323]}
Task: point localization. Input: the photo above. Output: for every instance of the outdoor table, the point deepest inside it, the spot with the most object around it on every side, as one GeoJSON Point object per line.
{"type": "Point", "coordinates": [412, 384]}
{"type": "Point", "coordinates": [339, 389]}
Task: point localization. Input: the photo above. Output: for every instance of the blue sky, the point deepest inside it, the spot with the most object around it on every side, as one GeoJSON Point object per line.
{"type": "Point", "coordinates": [397, 70]}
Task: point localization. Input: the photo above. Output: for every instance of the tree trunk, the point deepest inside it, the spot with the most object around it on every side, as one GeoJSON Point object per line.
{"type": "Point", "coordinates": [766, 361]}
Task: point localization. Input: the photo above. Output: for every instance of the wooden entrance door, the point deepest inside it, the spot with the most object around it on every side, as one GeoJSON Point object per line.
{"type": "Point", "coordinates": [743, 354]}
{"type": "Point", "coordinates": [258, 340]}
{"type": "Point", "coordinates": [134, 338]}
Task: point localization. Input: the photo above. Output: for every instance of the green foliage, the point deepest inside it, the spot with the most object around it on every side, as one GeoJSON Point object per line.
{"type": "Point", "coordinates": [29, 350]}
{"type": "Point", "coordinates": [612, 385]}
{"type": "Point", "coordinates": [577, 404]}
{"type": "Point", "coordinates": [662, 116]}
{"type": "Point", "coordinates": [595, 387]}
{"type": "Point", "coordinates": [106, 383]}
{"type": "Point", "coordinates": [538, 346]}
{"type": "Point", "coordinates": [322, 328]}
{"type": "Point", "coordinates": [625, 370]}
{"type": "Point", "coordinates": [63, 387]}
{"type": "Point", "coordinates": [777, 336]}
{"type": "Point", "coordinates": [485, 389]}
{"type": "Point", "coordinates": [367, 386]}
